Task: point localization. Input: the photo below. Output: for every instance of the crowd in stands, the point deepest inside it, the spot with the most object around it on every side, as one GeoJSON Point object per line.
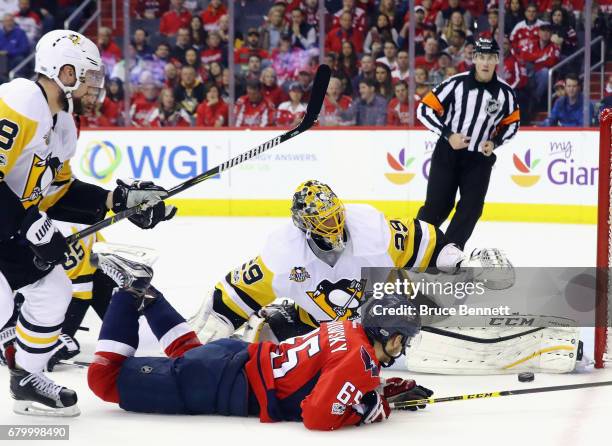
{"type": "Point", "coordinates": [179, 71]}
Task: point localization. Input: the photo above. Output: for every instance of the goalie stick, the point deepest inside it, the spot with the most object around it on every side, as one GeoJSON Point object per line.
{"type": "Point", "coordinates": [319, 89]}
{"type": "Point", "coordinates": [475, 396]}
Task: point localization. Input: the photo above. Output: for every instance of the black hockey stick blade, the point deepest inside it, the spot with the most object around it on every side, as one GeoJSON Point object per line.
{"type": "Point", "coordinates": [319, 88]}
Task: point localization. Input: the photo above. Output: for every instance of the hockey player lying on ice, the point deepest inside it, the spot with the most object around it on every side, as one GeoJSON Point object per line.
{"type": "Point", "coordinates": [328, 379]}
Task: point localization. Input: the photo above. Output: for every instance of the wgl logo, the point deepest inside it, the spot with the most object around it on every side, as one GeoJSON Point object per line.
{"type": "Point", "coordinates": [182, 161]}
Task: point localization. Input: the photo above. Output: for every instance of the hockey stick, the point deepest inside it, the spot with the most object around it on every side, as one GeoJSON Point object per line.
{"type": "Point", "coordinates": [474, 396]}
{"type": "Point", "coordinates": [319, 89]}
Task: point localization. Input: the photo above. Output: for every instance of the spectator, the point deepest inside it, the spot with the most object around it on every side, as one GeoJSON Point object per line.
{"type": "Point", "coordinates": [430, 10]}
{"type": "Point", "coordinates": [401, 73]}
{"type": "Point", "coordinates": [303, 35]}
{"type": "Point", "coordinates": [333, 104]}
{"type": "Point", "coordinates": [450, 72]}
{"type": "Point", "coordinates": [390, 55]}
{"type": "Point", "coordinates": [514, 74]}
{"type": "Point", "coordinates": [514, 14]}
{"type": "Point", "coordinates": [563, 30]}
{"type": "Point", "coordinates": [134, 70]}
{"type": "Point", "coordinates": [310, 8]}
{"type": "Point", "coordinates": [439, 74]}
{"type": "Point", "coordinates": [143, 104]}
{"type": "Point", "coordinates": [157, 62]}
{"type": "Point", "coordinates": [192, 59]}
{"type": "Point", "coordinates": [397, 110]}
{"type": "Point", "coordinates": [343, 32]}
{"type": "Point", "coordinates": [492, 24]}
{"type": "Point", "coordinates": [176, 18]}
{"type": "Point", "coordinates": [183, 43]}
{"type": "Point", "coordinates": [389, 9]}
{"type": "Point", "coordinates": [430, 59]}
{"type": "Point", "coordinates": [382, 32]}
{"type": "Point", "coordinates": [168, 113]}
{"type": "Point", "coordinates": [444, 16]}
{"type": "Point", "coordinates": [109, 51]}
{"type": "Point", "coordinates": [224, 28]}
{"type": "Point", "coordinates": [541, 57]}
{"type": "Point", "coordinates": [347, 61]}
{"type": "Point", "coordinates": [421, 80]}
{"type": "Point", "coordinates": [250, 48]}
{"type": "Point", "coordinates": [370, 109]}
{"type": "Point", "coordinates": [270, 89]}
{"type": "Point", "coordinates": [252, 109]}
{"type": "Point", "coordinates": [212, 112]}
{"type": "Point", "coordinates": [225, 84]}
{"type": "Point", "coordinates": [139, 41]}
{"type": "Point", "coordinates": [189, 92]}
{"type": "Point", "coordinates": [358, 18]}
{"type": "Point", "coordinates": [171, 74]}
{"type": "Point", "coordinates": [606, 102]}
{"type": "Point", "coordinates": [419, 31]}
{"type": "Point", "coordinates": [213, 51]}
{"type": "Point", "coordinates": [366, 71]}
{"type": "Point", "coordinates": [567, 111]}
{"type": "Point", "coordinates": [29, 21]}
{"type": "Point", "coordinates": [13, 42]}
{"type": "Point", "coordinates": [197, 33]}
{"type": "Point", "coordinates": [455, 24]}
{"type": "Point", "coordinates": [113, 104]}
{"type": "Point", "coordinates": [211, 16]}
{"type": "Point", "coordinates": [151, 9]}
{"type": "Point", "coordinates": [305, 79]}
{"type": "Point", "coordinates": [456, 45]}
{"type": "Point", "coordinates": [290, 113]}
{"type": "Point", "coordinates": [558, 90]}
{"type": "Point", "coordinates": [524, 35]}
{"type": "Point", "coordinates": [9, 7]}
{"type": "Point", "coordinates": [253, 72]}
{"type": "Point", "coordinates": [215, 73]}
{"type": "Point", "coordinates": [465, 61]}
{"type": "Point", "coordinates": [286, 60]}
{"type": "Point", "coordinates": [384, 87]}
{"type": "Point", "coordinates": [272, 29]}
{"type": "Point", "coordinates": [92, 116]}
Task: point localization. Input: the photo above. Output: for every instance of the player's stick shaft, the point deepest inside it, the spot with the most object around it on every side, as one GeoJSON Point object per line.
{"type": "Point", "coordinates": [319, 89]}
{"type": "Point", "coordinates": [475, 396]}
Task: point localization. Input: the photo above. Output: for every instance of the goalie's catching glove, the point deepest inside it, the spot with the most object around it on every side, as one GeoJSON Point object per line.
{"type": "Point", "coordinates": [373, 408]}
{"type": "Point", "coordinates": [143, 192]}
{"type": "Point", "coordinates": [398, 390]}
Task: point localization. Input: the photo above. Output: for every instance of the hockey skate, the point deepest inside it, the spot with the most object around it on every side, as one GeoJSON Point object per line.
{"type": "Point", "coordinates": [67, 348]}
{"type": "Point", "coordinates": [36, 394]}
{"type": "Point", "coordinates": [128, 274]}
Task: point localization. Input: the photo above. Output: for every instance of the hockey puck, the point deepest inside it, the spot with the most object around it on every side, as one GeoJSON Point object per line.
{"type": "Point", "coordinates": [526, 377]}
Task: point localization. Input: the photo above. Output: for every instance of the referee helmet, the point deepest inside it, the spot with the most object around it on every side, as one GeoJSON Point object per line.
{"type": "Point", "coordinates": [486, 46]}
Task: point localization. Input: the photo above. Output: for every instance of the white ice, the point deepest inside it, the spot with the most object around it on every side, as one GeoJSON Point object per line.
{"type": "Point", "coordinates": [195, 252]}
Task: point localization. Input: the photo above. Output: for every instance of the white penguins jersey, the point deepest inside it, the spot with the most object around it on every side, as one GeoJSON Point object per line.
{"type": "Point", "coordinates": [34, 150]}
{"type": "Point", "coordinates": [288, 268]}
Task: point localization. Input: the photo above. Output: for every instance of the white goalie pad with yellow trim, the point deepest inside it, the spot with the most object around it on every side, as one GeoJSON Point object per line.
{"type": "Point", "coordinates": [489, 350]}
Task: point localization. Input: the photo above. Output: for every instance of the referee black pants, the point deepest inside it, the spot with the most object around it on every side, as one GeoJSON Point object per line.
{"type": "Point", "coordinates": [452, 170]}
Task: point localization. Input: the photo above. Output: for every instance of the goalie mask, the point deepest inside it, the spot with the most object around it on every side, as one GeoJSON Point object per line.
{"type": "Point", "coordinates": [64, 47]}
{"type": "Point", "coordinates": [318, 212]}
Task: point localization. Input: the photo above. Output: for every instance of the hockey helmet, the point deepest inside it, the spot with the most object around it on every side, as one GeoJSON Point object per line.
{"type": "Point", "coordinates": [390, 315]}
{"type": "Point", "coordinates": [318, 211]}
{"type": "Point", "coordinates": [486, 46]}
{"type": "Point", "coordinates": [64, 47]}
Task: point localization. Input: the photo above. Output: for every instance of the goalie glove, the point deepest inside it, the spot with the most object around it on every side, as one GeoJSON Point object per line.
{"type": "Point", "coordinates": [397, 390]}
{"type": "Point", "coordinates": [372, 408]}
{"type": "Point", "coordinates": [143, 192]}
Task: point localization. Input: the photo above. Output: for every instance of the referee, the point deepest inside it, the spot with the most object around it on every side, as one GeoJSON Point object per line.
{"type": "Point", "coordinates": [473, 113]}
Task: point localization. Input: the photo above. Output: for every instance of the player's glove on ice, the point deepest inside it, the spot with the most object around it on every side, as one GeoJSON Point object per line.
{"type": "Point", "coordinates": [373, 408]}
{"type": "Point", "coordinates": [155, 210]}
{"type": "Point", "coordinates": [398, 390]}
{"type": "Point", "coordinates": [48, 244]}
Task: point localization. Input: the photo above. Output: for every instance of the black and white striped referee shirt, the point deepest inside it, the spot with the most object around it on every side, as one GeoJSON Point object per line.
{"type": "Point", "coordinates": [482, 111]}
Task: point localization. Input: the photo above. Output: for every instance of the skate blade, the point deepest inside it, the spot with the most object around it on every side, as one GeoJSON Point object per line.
{"type": "Point", "coordinates": [35, 409]}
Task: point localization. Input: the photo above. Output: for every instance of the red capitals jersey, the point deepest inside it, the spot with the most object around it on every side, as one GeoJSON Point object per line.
{"type": "Point", "coordinates": [397, 112]}
{"type": "Point", "coordinates": [315, 378]}
{"type": "Point", "coordinates": [141, 110]}
{"type": "Point", "coordinates": [249, 114]}
{"type": "Point", "coordinates": [524, 35]}
{"type": "Point", "coordinates": [330, 112]}
{"type": "Point", "coordinates": [542, 57]}
{"type": "Point", "coordinates": [515, 75]}
{"type": "Point", "coordinates": [286, 115]}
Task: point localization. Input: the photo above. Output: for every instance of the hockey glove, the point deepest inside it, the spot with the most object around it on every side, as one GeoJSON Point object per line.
{"type": "Point", "coordinates": [398, 390]}
{"type": "Point", "coordinates": [48, 244]}
{"type": "Point", "coordinates": [373, 408]}
{"type": "Point", "coordinates": [129, 195]}
{"type": "Point", "coordinates": [66, 348]}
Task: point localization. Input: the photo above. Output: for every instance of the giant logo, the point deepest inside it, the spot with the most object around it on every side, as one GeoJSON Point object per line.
{"type": "Point", "coordinates": [526, 178]}
{"type": "Point", "coordinates": [100, 160]}
{"type": "Point", "coordinates": [400, 165]}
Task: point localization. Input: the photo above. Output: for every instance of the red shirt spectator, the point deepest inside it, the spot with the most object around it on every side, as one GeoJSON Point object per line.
{"type": "Point", "coordinates": [421, 61]}
{"type": "Point", "coordinates": [143, 105]}
{"type": "Point", "coordinates": [212, 114]}
{"type": "Point", "coordinates": [112, 110]}
{"type": "Point", "coordinates": [29, 21]}
{"type": "Point", "coordinates": [177, 17]}
{"type": "Point", "coordinates": [151, 9]}
{"type": "Point", "coordinates": [290, 113]}
{"type": "Point", "coordinates": [514, 74]}
{"type": "Point", "coordinates": [252, 109]}
{"type": "Point", "coordinates": [270, 89]}
{"type": "Point", "coordinates": [95, 120]}
{"type": "Point", "coordinates": [251, 47]}
{"type": "Point", "coordinates": [334, 103]}
{"type": "Point", "coordinates": [358, 17]}
{"type": "Point", "coordinates": [525, 33]}
{"type": "Point", "coordinates": [336, 37]}
{"type": "Point", "coordinates": [211, 15]}
{"type": "Point", "coordinates": [543, 55]}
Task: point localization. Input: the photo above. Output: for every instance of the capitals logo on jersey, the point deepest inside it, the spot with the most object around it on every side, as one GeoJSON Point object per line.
{"type": "Point", "coordinates": [339, 299]}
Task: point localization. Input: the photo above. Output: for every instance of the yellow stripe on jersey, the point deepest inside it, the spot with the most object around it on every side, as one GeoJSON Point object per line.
{"type": "Point", "coordinates": [35, 339]}
{"type": "Point", "coordinates": [16, 132]}
{"type": "Point", "coordinates": [56, 192]}
{"type": "Point", "coordinates": [83, 295]}
{"type": "Point", "coordinates": [306, 318]}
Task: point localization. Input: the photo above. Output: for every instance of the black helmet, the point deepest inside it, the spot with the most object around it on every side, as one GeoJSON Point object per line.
{"type": "Point", "coordinates": [390, 315]}
{"type": "Point", "coordinates": [486, 46]}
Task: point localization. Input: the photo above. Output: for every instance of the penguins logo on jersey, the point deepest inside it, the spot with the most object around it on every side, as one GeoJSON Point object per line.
{"type": "Point", "coordinates": [340, 299]}
{"type": "Point", "coordinates": [41, 176]}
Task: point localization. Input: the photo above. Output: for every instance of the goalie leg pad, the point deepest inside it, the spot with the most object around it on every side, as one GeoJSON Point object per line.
{"type": "Point", "coordinates": [484, 351]}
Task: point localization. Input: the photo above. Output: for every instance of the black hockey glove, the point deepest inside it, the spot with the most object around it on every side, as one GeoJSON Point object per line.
{"type": "Point", "coordinates": [48, 244]}
{"type": "Point", "coordinates": [129, 195]}
{"type": "Point", "coordinates": [397, 390]}
{"type": "Point", "coordinates": [373, 408]}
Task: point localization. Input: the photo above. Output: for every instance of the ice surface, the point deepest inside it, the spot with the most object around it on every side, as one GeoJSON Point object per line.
{"type": "Point", "coordinates": [196, 252]}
